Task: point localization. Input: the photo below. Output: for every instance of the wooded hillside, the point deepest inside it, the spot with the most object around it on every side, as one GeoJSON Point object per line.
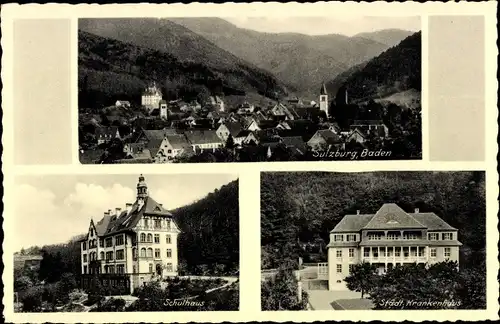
{"type": "Point", "coordinates": [395, 70]}
{"type": "Point", "coordinates": [110, 70]}
{"type": "Point", "coordinates": [210, 232]}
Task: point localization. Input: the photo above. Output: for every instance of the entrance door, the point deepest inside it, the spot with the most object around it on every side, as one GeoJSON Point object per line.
{"type": "Point", "coordinates": [158, 269]}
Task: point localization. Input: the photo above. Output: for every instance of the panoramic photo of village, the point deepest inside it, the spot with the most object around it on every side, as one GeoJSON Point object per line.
{"type": "Point", "coordinates": [127, 243]}
{"type": "Point", "coordinates": [378, 240]}
{"type": "Point", "coordinates": [180, 90]}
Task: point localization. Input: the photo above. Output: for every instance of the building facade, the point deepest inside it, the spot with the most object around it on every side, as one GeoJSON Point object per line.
{"type": "Point", "coordinates": [388, 238]}
{"type": "Point", "coordinates": [133, 246]}
{"type": "Point", "coordinates": [151, 97]}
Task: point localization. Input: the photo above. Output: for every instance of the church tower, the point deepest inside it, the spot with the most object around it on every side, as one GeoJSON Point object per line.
{"type": "Point", "coordinates": [142, 190]}
{"type": "Point", "coordinates": [323, 100]}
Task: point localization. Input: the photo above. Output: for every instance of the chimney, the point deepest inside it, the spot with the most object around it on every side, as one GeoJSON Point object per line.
{"type": "Point", "coordinates": [357, 212]}
{"type": "Point", "coordinates": [416, 210]}
{"type": "Point", "coordinates": [109, 212]}
{"type": "Point", "coordinates": [161, 205]}
{"type": "Point", "coordinates": [106, 213]}
{"type": "Point", "coordinates": [128, 207]}
{"type": "Point", "coordinates": [118, 211]}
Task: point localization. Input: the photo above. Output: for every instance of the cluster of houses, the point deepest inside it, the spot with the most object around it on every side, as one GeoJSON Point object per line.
{"type": "Point", "coordinates": [290, 124]}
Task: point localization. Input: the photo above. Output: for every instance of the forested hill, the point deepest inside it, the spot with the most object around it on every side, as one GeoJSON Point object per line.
{"type": "Point", "coordinates": [210, 231]}
{"type": "Point", "coordinates": [305, 207]}
{"type": "Point", "coordinates": [303, 61]}
{"type": "Point", "coordinates": [396, 70]}
{"type": "Point", "coordinates": [111, 69]}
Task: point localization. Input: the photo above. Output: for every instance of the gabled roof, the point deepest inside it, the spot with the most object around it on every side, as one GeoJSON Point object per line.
{"type": "Point", "coordinates": [154, 146]}
{"type": "Point", "coordinates": [432, 221]}
{"type": "Point", "coordinates": [392, 216]}
{"type": "Point", "coordinates": [126, 221]}
{"type": "Point", "coordinates": [352, 223]}
{"type": "Point", "coordinates": [178, 141]}
{"type": "Point", "coordinates": [202, 137]}
{"type": "Point", "coordinates": [329, 136]}
{"type": "Point", "coordinates": [295, 142]}
{"type": "Point", "coordinates": [234, 128]}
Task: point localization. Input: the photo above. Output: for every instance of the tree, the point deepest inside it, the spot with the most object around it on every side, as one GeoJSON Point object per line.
{"type": "Point", "coordinates": [281, 292]}
{"type": "Point", "coordinates": [230, 142]}
{"type": "Point", "coordinates": [362, 278]}
{"type": "Point", "coordinates": [32, 299]}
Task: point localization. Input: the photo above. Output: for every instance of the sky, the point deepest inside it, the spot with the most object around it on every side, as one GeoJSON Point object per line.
{"type": "Point", "coordinates": [52, 209]}
{"type": "Point", "coordinates": [345, 25]}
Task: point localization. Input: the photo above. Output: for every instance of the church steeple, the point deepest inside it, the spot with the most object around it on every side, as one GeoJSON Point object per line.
{"type": "Point", "coordinates": [142, 188]}
{"type": "Point", "coordinates": [323, 100]}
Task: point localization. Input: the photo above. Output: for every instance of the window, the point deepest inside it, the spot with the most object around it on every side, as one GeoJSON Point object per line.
{"type": "Point", "coordinates": [111, 269]}
{"type": "Point", "coordinates": [169, 267]}
{"type": "Point", "coordinates": [101, 256]}
{"type": "Point", "coordinates": [366, 253]}
{"type": "Point", "coordinates": [351, 266]}
{"type": "Point", "coordinates": [339, 268]}
{"type": "Point", "coordinates": [91, 232]}
{"type": "Point", "coordinates": [85, 269]}
{"type": "Point", "coordinates": [447, 252]}
{"type": "Point", "coordinates": [146, 222]}
{"type": "Point", "coordinates": [351, 253]}
{"type": "Point", "coordinates": [169, 239]}
{"type": "Point", "coordinates": [157, 238]}
{"type": "Point", "coordinates": [109, 255]}
{"type": "Point", "coordinates": [158, 222]}
{"type": "Point", "coordinates": [169, 253]}
{"type": "Point", "coordinates": [120, 255]}
{"type": "Point", "coordinates": [168, 224]}
{"type": "Point", "coordinates": [375, 253]}
{"type": "Point", "coordinates": [421, 252]}
{"type": "Point", "coordinates": [410, 236]}
{"type": "Point", "coordinates": [143, 237]}
{"type": "Point", "coordinates": [119, 240]}
{"type": "Point", "coordinates": [120, 269]}
{"type": "Point", "coordinates": [447, 236]}
{"type": "Point", "coordinates": [433, 236]}
{"type": "Point", "coordinates": [84, 258]}
{"type": "Point", "coordinates": [406, 253]}
{"type": "Point", "coordinates": [374, 237]}
{"type": "Point", "coordinates": [323, 98]}
{"type": "Point", "coordinates": [339, 253]}
{"type": "Point", "coordinates": [109, 242]}
{"type": "Point", "coordinates": [150, 237]}
{"type": "Point", "coordinates": [101, 242]}
{"type": "Point", "coordinates": [157, 253]}
{"type": "Point", "coordinates": [143, 253]}
{"type": "Point", "coordinates": [392, 236]}
{"type": "Point", "coordinates": [382, 252]}
{"type": "Point", "coordinates": [150, 253]}
{"type": "Point", "coordinates": [397, 252]}
{"type": "Point", "coordinates": [351, 237]}
{"type": "Point", "coordinates": [134, 269]}
{"type": "Point", "coordinates": [338, 238]}
{"type": "Point", "coordinates": [84, 246]}
{"type": "Point", "coordinates": [151, 267]}
{"type": "Point", "coordinates": [433, 252]}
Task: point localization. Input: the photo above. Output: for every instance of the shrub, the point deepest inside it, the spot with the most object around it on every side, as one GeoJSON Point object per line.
{"type": "Point", "coordinates": [32, 299]}
{"type": "Point", "coordinates": [111, 305]}
{"type": "Point", "coordinates": [22, 283]}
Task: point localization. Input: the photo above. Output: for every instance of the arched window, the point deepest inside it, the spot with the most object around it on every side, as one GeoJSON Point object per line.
{"type": "Point", "coordinates": [143, 253]}
{"type": "Point", "coordinates": [150, 237]}
{"type": "Point", "coordinates": [151, 267]}
{"type": "Point", "coordinates": [150, 253]}
{"type": "Point", "coordinates": [143, 237]}
{"type": "Point", "coordinates": [134, 253]}
{"type": "Point", "coordinates": [101, 256]}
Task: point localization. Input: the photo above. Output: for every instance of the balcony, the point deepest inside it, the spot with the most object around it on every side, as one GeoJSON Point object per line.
{"type": "Point", "coordinates": [395, 259]}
